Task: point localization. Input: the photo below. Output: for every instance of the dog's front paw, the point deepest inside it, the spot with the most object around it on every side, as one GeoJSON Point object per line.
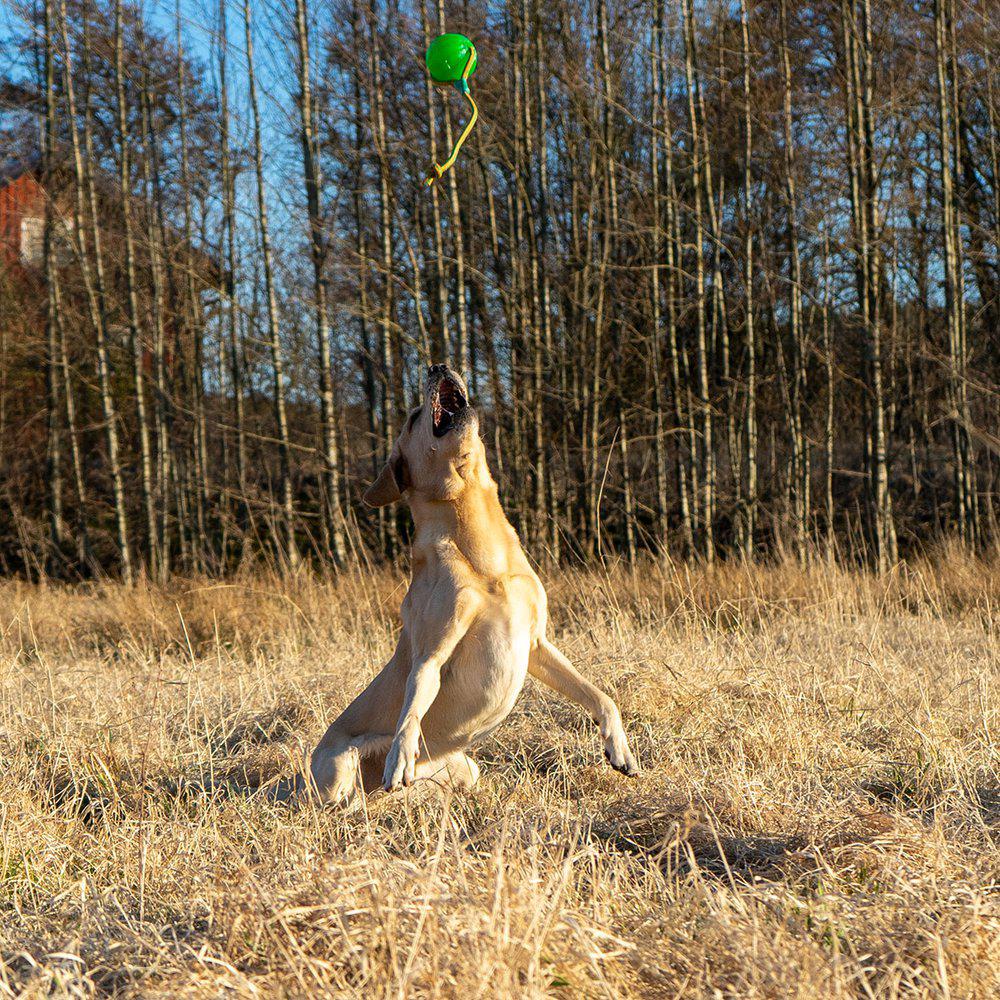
{"type": "Point", "coordinates": [401, 762]}
{"type": "Point", "coordinates": [619, 755]}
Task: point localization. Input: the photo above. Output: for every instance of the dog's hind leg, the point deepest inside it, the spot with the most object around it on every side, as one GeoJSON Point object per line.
{"type": "Point", "coordinates": [335, 771]}
{"type": "Point", "coordinates": [456, 770]}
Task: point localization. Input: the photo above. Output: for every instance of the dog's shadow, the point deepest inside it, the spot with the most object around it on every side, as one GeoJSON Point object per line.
{"type": "Point", "coordinates": [677, 836]}
{"type": "Point", "coordinates": [95, 797]}
{"type": "Point", "coordinates": [255, 757]}
{"type": "Point", "coordinates": [235, 783]}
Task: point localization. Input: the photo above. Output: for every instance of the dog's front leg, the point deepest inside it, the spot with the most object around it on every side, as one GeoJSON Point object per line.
{"type": "Point", "coordinates": [433, 643]}
{"type": "Point", "coordinates": [548, 665]}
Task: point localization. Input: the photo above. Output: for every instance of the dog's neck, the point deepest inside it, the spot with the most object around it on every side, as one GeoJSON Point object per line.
{"type": "Point", "coordinates": [473, 521]}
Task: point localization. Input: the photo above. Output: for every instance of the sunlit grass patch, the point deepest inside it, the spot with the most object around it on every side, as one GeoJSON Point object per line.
{"type": "Point", "coordinates": [817, 814]}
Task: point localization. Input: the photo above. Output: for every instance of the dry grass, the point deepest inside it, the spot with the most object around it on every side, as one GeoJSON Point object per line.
{"type": "Point", "coordinates": [818, 815]}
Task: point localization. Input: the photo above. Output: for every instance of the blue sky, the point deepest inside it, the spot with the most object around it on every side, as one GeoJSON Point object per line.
{"type": "Point", "coordinates": [200, 28]}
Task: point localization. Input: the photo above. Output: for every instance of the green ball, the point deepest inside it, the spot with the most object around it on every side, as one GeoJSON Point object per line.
{"type": "Point", "coordinates": [447, 56]}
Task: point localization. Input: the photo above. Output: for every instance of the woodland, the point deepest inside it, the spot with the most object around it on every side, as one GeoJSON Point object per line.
{"type": "Point", "coordinates": [723, 277]}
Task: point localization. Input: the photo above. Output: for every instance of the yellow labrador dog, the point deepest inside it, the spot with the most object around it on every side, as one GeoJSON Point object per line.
{"type": "Point", "coordinates": [473, 621]}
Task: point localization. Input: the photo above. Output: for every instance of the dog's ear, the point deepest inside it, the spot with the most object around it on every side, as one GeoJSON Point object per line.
{"type": "Point", "coordinates": [392, 481]}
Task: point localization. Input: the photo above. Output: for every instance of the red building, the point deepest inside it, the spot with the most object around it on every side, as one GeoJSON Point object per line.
{"type": "Point", "coordinates": [22, 216]}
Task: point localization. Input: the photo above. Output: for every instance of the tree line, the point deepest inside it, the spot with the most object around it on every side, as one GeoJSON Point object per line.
{"type": "Point", "coordinates": [723, 276]}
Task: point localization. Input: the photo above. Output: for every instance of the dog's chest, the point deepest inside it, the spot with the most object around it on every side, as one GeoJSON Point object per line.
{"type": "Point", "coordinates": [485, 674]}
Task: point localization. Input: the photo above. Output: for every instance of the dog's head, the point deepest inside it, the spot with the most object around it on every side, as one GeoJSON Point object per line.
{"type": "Point", "coordinates": [438, 452]}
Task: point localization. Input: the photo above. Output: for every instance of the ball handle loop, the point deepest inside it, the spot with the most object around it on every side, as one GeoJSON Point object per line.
{"type": "Point", "coordinates": [438, 170]}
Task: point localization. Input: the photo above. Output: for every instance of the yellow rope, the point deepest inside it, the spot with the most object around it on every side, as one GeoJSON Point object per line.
{"type": "Point", "coordinates": [438, 169]}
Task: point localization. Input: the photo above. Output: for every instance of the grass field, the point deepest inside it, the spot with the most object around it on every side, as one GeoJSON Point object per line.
{"type": "Point", "coordinates": [818, 814]}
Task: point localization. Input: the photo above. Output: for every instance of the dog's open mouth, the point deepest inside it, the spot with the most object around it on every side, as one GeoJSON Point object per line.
{"type": "Point", "coordinates": [448, 402]}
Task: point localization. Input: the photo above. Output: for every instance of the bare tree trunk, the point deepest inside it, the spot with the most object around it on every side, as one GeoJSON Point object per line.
{"type": "Point", "coordinates": [799, 478]}
{"type": "Point", "coordinates": [94, 285]}
{"type": "Point", "coordinates": [609, 226]}
{"type": "Point", "coordinates": [57, 363]}
{"type": "Point", "coordinates": [64, 375]}
{"type": "Point", "coordinates": [861, 169]}
{"type": "Point", "coordinates": [54, 474]}
{"type": "Point", "coordinates": [227, 283]}
{"type": "Point", "coordinates": [536, 321]}
{"type": "Point", "coordinates": [157, 257]}
{"type": "Point", "coordinates": [518, 314]}
{"type": "Point", "coordinates": [884, 529]}
{"type": "Point", "coordinates": [290, 550]}
{"type": "Point", "coordinates": [541, 78]}
{"type": "Point", "coordinates": [993, 130]}
{"type": "Point", "coordinates": [828, 437]}
{"type": "Point", "coordinates": [199, 444]}
{"type": "Point", "coordinates": [704, 402]}
{"type": "Point", "coordinates": [83, 551]}
{"type": "Point", "coordinates": [361, 243]}
{"type": "Point", "coordinates": [388, 365]}
{"type": "Point", "coordinates": [953, 282]}
{"type": "Point", "coordinates": [331, 512]}
{"type": "Point", "coordinates": [674, 262]}
{"type": "Point", "coordinates": [132, 298]}
{"type": "Point", "coordinates": [628, 503]}
{"type": "Point", "coordinates": [965, 441]}
{"type": "Point", "coordinates": [749, 520]}
{"type": "Point", "coordinates": [715, 197]}
{"type": "Point", "coordinates": [656, 341]}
